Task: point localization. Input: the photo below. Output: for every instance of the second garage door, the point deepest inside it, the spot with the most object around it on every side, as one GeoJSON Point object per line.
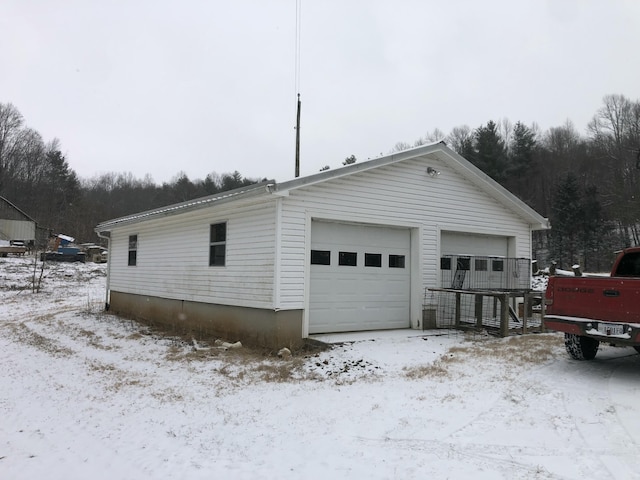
{"type": "Point", "coordinates": [457, 243]}
{"type": "Point", "coordinates": [360, 277]}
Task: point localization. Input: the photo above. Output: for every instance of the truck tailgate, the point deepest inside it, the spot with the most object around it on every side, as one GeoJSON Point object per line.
{"type": "Point", "coordinates": [613, 299]}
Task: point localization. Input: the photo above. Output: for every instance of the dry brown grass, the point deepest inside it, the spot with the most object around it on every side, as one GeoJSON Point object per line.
{"type": "Point", "coordinates": [280, 370]}
{"type": "Point", "coordinates": [116, 378]}
{"type": "Point", "coordinates": [533, 348]}
{"type": "Point", "coordinates": [28, 337]}
{"type": "Point", "coordinates": [517, 350]}
{"type": "Point", "coordinates": [431, 370]}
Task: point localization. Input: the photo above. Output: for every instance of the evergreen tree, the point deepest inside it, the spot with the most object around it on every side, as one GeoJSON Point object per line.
{"type": "Point", "coordinates": [567, 214]}
{"type": "Point", "coordinates": [490, 152]}
{"type": "Point", "coordinates": [521, 150]}
{"type": "Point", "coordinates": [593, 228]}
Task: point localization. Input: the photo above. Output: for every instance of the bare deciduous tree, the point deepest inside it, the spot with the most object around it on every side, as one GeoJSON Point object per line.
{"type": "Point", "coordinates": [10, 126]}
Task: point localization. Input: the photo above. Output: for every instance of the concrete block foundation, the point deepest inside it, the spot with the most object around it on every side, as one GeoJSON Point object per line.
{"type": "Point", "coordinates": [252, 326]}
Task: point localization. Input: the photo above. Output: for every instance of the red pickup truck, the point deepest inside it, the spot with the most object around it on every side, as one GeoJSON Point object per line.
{"type": "Point", "coordinates": [590, 310]}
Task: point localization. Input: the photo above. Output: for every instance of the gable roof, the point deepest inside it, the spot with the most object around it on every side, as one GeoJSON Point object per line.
{"type": "Point", "coordinates": [435, 151]}
{"type": "Point", "coordinates": [13, 207]}
{"type": "Point", "coordinates": [189, 205]}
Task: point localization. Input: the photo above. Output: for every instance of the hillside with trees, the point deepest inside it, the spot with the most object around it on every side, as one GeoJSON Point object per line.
{"type": "Point", "coordinates": [587, 184]}
{"type": "Point", "coordinates": [36, 177]}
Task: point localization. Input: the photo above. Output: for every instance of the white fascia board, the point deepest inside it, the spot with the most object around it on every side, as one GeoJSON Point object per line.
{"type": "Point", "coordinates": [263, 188]}
{"type": "Point", "coordinates": [493, 189]}
{"type": "Point", "coordinates": [357, 167]}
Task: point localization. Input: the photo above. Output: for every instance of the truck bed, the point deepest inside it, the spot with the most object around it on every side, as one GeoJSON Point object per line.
{"type": "Point", "coordinates": [612, 299]}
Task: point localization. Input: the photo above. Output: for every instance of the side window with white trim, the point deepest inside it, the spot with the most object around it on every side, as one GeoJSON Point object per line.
{"type": "Point", "coordinates": [218, 244]}
{"type": "Point", "coordinates": [133, 251]}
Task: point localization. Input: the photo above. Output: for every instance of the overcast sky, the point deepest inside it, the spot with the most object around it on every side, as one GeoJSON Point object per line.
{"type": "Point", "coordinates": [163, 86]}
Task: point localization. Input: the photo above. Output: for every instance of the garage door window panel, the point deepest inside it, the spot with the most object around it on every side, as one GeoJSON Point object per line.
{"type": "Point", "coordinates": [320, 257]}
{"type": "Point", "coordinates": [396, 261]}
{"type": "Point", "coordinates": [373, 260]}
{"type": "Point", "coordinates": [463, 263]}
{"type": "Point", "coordinates": [481, 265]}
{"type": "Point", "coordinates": [348, 259]}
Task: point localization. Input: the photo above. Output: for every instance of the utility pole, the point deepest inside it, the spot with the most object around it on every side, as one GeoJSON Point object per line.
{"type": "Point", "coordinates": [298, 138]}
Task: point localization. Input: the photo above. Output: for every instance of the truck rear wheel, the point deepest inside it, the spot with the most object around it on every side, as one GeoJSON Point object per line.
{"type": "Point", "coordinates": [579, 347]}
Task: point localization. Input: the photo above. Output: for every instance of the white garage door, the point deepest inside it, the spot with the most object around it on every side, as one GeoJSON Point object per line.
{"type": "Point", "coordinates": [360, 278]}
{"type": "Point", "coordinates": [456, 243]}
{"type": "Point", "coordinates": [467, 262]}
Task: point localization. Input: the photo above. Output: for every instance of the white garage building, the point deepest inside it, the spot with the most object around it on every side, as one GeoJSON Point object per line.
{"type": "Point", "coordinates": [342, 250]}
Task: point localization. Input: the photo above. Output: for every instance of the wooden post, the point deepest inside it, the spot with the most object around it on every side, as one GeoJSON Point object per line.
{"type": "Point", "coordinates": [525, 312]}
{"type": "Point", "coordinates": [479, 299]}
{"type": "Point", "coordinates": [504, 315]}
{"type": "Point", "coordinates": [543, 308]}
{"type": "Point", "coordinates": [457, 324]}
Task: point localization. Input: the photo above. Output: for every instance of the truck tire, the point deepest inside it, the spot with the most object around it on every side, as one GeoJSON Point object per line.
{"type": "Point", "coordinates": [637, 347]}
{"type": "Point", "coordinates": [579, 347]}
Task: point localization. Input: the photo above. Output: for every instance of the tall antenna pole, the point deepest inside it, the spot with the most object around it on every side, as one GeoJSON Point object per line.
{"type": "Point", "coordinates": [298, 138]}
{"type": "Point", "coordinates": [297, 82]}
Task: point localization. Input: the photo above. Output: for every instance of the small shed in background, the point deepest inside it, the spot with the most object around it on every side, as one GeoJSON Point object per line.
{"type": "Point", "coordinates": [16, 225]}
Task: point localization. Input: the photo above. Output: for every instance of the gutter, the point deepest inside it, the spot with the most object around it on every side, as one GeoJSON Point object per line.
{"type": "Point", "coordinates": [253, 190]}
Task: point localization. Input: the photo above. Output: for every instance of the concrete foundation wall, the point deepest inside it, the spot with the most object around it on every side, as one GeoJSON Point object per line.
{"type": "Point", "coordinates": [251, 326]}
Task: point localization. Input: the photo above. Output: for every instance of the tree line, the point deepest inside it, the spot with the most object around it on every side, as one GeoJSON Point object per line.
{"type": "Point", "coordinates": [586, 184]}
{"type": "Point", "coordinates": [36, 177]}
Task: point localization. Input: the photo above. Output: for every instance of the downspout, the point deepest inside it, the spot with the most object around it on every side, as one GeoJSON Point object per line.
{"type": "Point", "coordinates": [107, 236]}
{"type": "Point", "coordinates": [272, 188]}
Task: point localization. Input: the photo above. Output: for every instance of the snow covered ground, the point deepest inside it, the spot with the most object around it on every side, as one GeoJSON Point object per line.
{"type": "Point", "coordinates": [84, 394]}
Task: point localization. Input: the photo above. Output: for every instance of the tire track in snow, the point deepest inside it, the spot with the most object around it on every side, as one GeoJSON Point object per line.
{"type": "Point", "coordinates": [599, 425]}
{"type": "Point", "coordinates": [490, 455]}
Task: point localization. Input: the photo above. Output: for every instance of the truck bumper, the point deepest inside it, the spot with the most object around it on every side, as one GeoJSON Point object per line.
{"type": "Point", "coordinates": [612, 332]}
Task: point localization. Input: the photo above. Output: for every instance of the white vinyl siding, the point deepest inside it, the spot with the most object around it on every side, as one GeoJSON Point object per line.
{"type": "Point", "coordinates": [173, 257]}
{"type": "Point", "coordinates": [18, 230]}
{"type": "Point", "coordinates": [400, 194]}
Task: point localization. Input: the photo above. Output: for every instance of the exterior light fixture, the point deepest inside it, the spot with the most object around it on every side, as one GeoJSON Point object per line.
{"type": "Point", "coordinates": [432, 172]}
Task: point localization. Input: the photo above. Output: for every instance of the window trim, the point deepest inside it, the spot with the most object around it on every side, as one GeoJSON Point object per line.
{"type": "Point", "coordinates": [213, 243]}
{"type": "Point", "coordinates": [132, 258]}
